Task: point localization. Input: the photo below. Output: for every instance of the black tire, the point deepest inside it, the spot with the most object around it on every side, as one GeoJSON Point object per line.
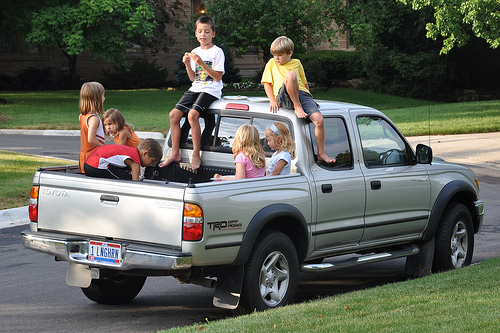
{"type": "Point", "coordinates": [115, 290]}
{"type": "Point", "coordinates": [271, 274]}
{"type": "Point", "coordinates": [454, 239]}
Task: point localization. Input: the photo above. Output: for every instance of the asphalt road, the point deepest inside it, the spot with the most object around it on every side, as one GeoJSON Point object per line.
{"type": "Point", "coordinates": [34, 296]}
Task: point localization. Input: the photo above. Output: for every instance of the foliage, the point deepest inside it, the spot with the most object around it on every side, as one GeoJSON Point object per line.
{"type": "Point", "coordinates": [396, 56]}
{"type": "Point", "coordinates": [326, 67]}
{"type": "Point", "coordinates": [34, 78]}
{"type": "Point", "coordinates": [256, 23]}
{"type": "Point", "coordinates": [454, 20]}
{"type": "Point", "coordinates": [98, 26]}
{"type": "Point", "coordinates": [141, 74]}
{"type": "Point", "coordinates": [166, 13]}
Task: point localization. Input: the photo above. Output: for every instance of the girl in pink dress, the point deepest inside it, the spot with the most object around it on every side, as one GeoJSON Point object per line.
{"type": "Point", "coordinates": [249, 157]}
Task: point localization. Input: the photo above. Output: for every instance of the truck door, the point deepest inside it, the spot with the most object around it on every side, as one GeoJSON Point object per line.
{"type": "Point", "coordinates": [397, 189]}
{"type": "Point", "coordinates": [339, 191]}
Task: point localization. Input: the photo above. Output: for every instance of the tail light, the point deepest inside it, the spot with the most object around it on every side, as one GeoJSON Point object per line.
{"type": "Point", "coordinates": [33, 207]}
{"type": "Point", "coordinates": [192, 227]}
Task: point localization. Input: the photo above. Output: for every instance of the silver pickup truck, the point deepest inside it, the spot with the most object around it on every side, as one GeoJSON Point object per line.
{"type": "Point", "coordinates": [250, 238]}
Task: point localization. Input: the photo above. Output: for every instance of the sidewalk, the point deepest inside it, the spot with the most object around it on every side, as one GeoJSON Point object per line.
{"type": "Point", "coordinates": [471, 149]}
{"type": "Point", "coordinates": [142, 135]}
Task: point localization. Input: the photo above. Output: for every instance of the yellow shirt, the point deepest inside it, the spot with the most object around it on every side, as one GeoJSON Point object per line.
{"type": "Point", "coordinates": [275, 74]}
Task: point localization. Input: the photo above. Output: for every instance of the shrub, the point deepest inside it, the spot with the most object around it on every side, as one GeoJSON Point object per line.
{"type": "Point", "coordinates": [141, 74]}
{"type": "Point", "coordinates": [34, 79]}
{"type": "Point", "coordinates": [8, 82]}
{"type": "Point", "coordinates": [329, 66]}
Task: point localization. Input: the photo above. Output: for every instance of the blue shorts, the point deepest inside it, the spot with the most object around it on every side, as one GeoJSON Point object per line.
{"type": "Point", "coordinates": [306, 99]}
{"type": "Point", "coordinates": [197, 101]}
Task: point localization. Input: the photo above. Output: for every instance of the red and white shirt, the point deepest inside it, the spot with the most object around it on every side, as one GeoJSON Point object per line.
{"type": "Point", "coordinates": [103, 156]}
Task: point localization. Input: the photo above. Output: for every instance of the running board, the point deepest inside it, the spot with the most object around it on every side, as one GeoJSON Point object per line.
{"type": "Point", "coordinates": [370, 258]}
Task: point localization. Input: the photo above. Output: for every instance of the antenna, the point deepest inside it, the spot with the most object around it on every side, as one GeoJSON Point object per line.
{"type": "Point", "coordinates": [429, 105]}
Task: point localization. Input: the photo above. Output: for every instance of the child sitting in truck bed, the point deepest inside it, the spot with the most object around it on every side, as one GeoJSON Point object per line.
{"type": "Point", "coordinates": [122, 162]}
{"type": "Point", "coordinates": [279, 139]}
{"type": "Point", "coordinates": [122, 132]}
{"type": "Point", "coordinates": [249, 157]}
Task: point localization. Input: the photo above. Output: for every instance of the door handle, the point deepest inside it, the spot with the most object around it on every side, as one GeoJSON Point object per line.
{"type": "Point", "coordinates": [110, 198]}
{"type": "Point", "coordinates": [326, 188]}
{"type": "Point", "coordinates": [376, 184]}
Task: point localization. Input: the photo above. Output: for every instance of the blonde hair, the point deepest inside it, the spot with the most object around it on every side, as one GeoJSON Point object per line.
{"type": "Point", "coordinates": [282, 45]}
{"type": "Point", "coordinates": [117, 117]}
{"type": "Point", "coordinates": [283, 139]}
{"type": "Point", "coordinates": [91, 98]}
{"type": "Point", "coordinates": [247, 140]}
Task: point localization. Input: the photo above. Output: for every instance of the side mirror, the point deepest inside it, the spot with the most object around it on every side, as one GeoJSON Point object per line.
{"type": "Point", "coordinates": [424, 154]}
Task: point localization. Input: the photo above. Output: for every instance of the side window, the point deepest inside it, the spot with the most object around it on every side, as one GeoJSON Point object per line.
{"type": "Point", "coordinates": [337, 143]}
{"type": "Point", "coordinates": [382, 145]}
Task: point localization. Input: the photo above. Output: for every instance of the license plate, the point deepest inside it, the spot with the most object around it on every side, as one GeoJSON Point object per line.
{"type": "Point", "coordinates": [105, 252]}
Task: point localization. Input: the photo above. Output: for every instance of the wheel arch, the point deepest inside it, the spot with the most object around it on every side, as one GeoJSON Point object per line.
{"type": "Point", "coordinates": [280, 217]}
{"type": "Point", "coordinates": [456, 191]}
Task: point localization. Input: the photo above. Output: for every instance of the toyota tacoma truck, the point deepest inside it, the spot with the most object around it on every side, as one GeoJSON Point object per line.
{"type": "Point", "coordinates": [249, 239]}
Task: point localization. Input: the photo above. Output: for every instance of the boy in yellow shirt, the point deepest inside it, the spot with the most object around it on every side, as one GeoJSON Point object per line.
{"type": "Point", "coordinates": [286, 86]}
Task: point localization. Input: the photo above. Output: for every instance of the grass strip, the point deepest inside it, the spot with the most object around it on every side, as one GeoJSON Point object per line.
{"type": "Point", "coordinates": [148, 110]}
{"type": "Point", "coordinates": [16, 176]}
{"type": "Point", "coordinates": [464, 300]}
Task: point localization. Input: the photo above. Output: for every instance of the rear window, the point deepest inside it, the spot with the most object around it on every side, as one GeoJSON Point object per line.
{"type": "Point", "coordinates": [217, 132]}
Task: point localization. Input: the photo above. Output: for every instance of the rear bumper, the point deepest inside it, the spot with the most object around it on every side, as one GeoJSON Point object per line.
{"type": "Point", "coordinates": [75, 250]}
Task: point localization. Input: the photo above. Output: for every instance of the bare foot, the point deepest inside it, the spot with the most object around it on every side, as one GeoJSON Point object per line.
{"type": "Point", "coordinates": [299, 112]}
{"type": "Point", "coordinates": [170, 159]}
{"type": "Point", "coordinates": [324, 157]}
{"type": "Point", "coordinates": [195, 163]}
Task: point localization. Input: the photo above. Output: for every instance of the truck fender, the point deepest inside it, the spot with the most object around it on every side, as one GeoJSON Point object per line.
{"type": "Point", "coordinates": [444, 197]}
{"type": "Point", "coordinates": [266, 215]}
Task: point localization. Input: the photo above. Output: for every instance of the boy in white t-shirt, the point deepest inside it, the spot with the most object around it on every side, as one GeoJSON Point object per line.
{"type": "Point", "coordinates": [205, 67]}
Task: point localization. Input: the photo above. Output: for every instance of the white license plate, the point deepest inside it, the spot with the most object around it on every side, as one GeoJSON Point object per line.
{"type": "Point", "coordinates": [105, 252]}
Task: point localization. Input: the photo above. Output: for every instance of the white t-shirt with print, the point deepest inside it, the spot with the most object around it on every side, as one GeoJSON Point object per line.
{"type": "Point", "coordinates": [214, 58]}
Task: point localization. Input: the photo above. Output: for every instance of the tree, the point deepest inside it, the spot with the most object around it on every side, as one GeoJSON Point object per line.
{"type": "Point", "coordinates": [257, 23]}
{"type": "Point", "coordinates": [455, 19]}
{"type": "Point", "coordinates": [102, 27]}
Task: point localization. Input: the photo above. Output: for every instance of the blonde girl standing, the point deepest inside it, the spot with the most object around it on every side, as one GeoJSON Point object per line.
{"type": "Point", "coordinates": [249, 157]}
{"type": "Point", "coordinates": [122, 132]}
{"type": "Point", "coordinates": [91, 129]}
{"type": "Point", "coordinates": [279, 139]}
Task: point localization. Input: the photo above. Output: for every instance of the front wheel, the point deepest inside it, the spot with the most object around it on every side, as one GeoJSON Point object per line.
{"type": "Point", "coordinates": [454, 239]}
{"type": "Point", "coordinates": [271, 274]}
{"type": "Point", "coordinates": [115, 289]}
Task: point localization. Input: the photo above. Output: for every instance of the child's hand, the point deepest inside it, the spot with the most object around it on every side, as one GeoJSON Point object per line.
{"type": "Point", "coordinates": [274, 106]}
{"type": "Point", "coordinates": [196, 58]}
{"type": "Point", "coordinates": [186, 59]}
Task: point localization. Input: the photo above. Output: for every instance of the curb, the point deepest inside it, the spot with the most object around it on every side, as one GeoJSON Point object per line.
{"type": "Point", "coordinates": [14, 217]}
{"type": "Point", "coordinates": [142, 135]}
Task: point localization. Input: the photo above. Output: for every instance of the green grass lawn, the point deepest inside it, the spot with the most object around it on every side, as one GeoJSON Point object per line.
{"type": "Point", "coordinates": [148, 110]}
{"type": "Point", "coordinates": [463, 300]}
{"type": "Point", "coordinates": [16, 176]}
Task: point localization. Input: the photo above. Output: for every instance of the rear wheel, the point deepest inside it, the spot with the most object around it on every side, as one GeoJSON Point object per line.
{"type": "Point", "coordinates": [454, 239]}
{"type": "Point", "coordinates": [271, 274]}
{"type": "Point", "coordinates": [115, 289]}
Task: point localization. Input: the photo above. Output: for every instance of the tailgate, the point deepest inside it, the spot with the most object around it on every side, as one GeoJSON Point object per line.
{"type": "Point", "coordinates": [139, 211]}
